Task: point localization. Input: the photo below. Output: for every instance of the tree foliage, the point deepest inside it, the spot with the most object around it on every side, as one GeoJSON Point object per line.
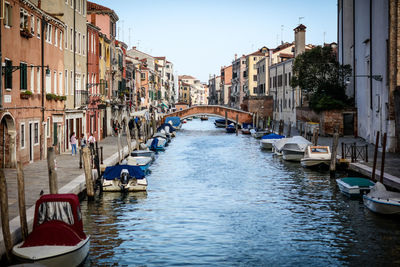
{"type": "Point", "coordinates": [321, 77]}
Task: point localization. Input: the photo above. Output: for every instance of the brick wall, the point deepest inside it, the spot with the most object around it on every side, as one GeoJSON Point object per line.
{"type": "Point", "coordinates": [261, 104]}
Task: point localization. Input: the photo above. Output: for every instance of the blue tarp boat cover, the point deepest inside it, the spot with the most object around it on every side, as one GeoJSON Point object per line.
{"type": "Point", "coordinates": [176, 121]}
{"type": "Point", "coordinates": [113, 172]}
{"type": "Point", "coordinates": [273, 136]}
{"type": "Point", "coordinates": [166, 125]}
{"type": "Point", "coordinates": [154, 144]}
{"type": "Point", "coordinates": [246, 125]}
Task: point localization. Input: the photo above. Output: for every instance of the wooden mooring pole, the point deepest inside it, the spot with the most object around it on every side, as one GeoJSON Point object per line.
{"type": "Point", "coordinates": [383, 158]}
{"type": "Point", "coordinates": [119, 147]}
{"type": "Point", "coordinates": [21, 200]}
{"type": "Point", "coordinates": [5, 223]}
{"type": "Point", "coordinates": [226, 119]}
{"type": "Point", "coordinates": [237, 124]}
{"type": "Point", "coordinates": [128, 137]}
{"type": "Point", "coordinates": [88, 173]}
{"type": "Point", "coordinates": [335, 141]}
{"type": "Point", "coordinates": [289, 129]}
{"type": "Point", "coordinates": [375, 156]}
{"type": "Point", "coordinates": [53, 183]}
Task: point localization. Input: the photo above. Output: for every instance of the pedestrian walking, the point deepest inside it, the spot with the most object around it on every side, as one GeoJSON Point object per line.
{"type": "Point", "coordinates": [73, 143]}
{"type": "Point", "coordinates": [83, 141]}
{"type": "Point", "coordinates": [91, 141]}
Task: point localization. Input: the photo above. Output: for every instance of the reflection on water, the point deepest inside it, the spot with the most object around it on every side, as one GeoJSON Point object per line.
{"type": "Point", "coordinates": [217, 199]}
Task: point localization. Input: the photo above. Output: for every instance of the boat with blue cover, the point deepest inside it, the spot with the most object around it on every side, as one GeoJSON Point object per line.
{"type": "Point", "coordinates": [156, 144]}
{"type": "Point", "coordinates": [269, 139]}
{"type": "Point", "coordinates": [354, 186]}
{"type": "Point", "coordinates": [124, 178]}
{"type": "Point", "coordinates": [230, 128]}
{"type": "Point", "coordinates": [174, 121]}
{"type": "Point", "coordinates": [246, 127]}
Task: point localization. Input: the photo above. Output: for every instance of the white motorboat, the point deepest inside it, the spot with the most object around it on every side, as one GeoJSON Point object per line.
{"type": "Point", "coordinates": [294, 148]}
{"type": "Point", "coordinates": [143, 153]}
{"type": "Point", "coordinates": [57, 238]}
{"type": "Point", "coordinates": [354, 186]}
{"type": "Point", "coordinates": [268, 140]}
{"type": "Point", "coordinates": [156, 143]}
{"type": "Point", "coordinates": [316, 156]}
{"type": "Point", "coordinates": [124, 178]}
{"type": "Point", "coordinates": [382, 201]}
{"type": "Point", "coordinates": [258, 133]}
{"type": "Point", "coordinates": [141, 161]}
{"type": "Point", "coordinates": [278, 145]}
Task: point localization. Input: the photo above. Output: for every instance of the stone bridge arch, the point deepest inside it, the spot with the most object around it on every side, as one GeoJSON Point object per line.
{"type": "Point", "coordinates": [213, 110]}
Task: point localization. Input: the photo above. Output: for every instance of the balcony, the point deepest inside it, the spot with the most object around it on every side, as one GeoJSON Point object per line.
{"type": "Point", "coordinates": [81, 98]}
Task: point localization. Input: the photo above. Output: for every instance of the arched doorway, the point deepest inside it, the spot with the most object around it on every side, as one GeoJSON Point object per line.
{"type": "Point", "coordinates": [8, 134]}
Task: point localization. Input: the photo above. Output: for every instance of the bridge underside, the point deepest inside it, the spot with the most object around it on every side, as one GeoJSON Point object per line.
{"type": "Point", "coordinates": [216, 111]}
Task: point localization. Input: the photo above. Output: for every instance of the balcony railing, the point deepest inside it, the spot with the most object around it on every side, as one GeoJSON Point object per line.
{"type": "Point", "coordinates": [81, 98]}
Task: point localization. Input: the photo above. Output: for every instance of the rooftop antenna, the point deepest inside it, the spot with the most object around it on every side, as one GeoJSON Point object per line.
{"type": "Point", "coordinates": [300, 18]}
{"type": "Point", "coordinates": [281, 34]}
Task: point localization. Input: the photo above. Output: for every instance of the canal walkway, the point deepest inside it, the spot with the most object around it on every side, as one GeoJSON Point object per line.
{"type": "Point", "coordinates": [71, 179]}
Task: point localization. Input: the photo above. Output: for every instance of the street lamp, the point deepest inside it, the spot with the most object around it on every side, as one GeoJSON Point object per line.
{"type": "Point", "coordinates": [7, 69]}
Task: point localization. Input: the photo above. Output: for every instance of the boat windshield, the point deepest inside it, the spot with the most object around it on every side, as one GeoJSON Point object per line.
{"type": "Point", "coordinates": [319, 150]}
{"type": "Point", "coordinates": [55, 211]}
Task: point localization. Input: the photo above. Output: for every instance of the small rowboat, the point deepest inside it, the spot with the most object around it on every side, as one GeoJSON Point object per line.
{"type": "Point", "coordinates": [354, 186]}
{"type": "Point", "coordinates": [57, 238]}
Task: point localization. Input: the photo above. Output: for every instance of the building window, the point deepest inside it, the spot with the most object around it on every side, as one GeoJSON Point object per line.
{"type": "Point", "coordinates": [23, 76]}
{"type": "Point", "coordinates": [83, 44]}
{"type": "Point", "coordinates": [142, 76]}
{"type": "Point", "coordinates": [55, 83]}
{"type": "Point", "coordinates": [48, 127]}
{"type": "Point", "coordinates": [49, 32]}
{"type": "Point", "coordinates": [71, 84]}
{"type": "Point", "coordinates": [55, 37]}
{"type": "Point", "coordinates": [8, 74]}
{"type": "Point", "coordinates": [61, 34]}
{"type": "Point", "coordinates": [33, 24]}
{"type": "Point", "coordinates": [32, 85]}
{"type": "Point", "coordinates": [60, 84]}
{"type": "Point", "coordinates": [66, 37]}
{"type": "Point", "coordinates": [22, 135]}
{"type": "Point", "coordinates": [38, 28]}
{"type": "Point", "coordinates": [71, 39]}
{"type": "Point", "coordinates": [255, 78]}
{"type": "Point", "coordinates": [23, 19]}
{"type": "Point", "coordinates": [36, 133]}
{"type": "Point", "coordinates": [38, 79]}
{"type": "Point", "coordinates": [7, 14]}
{"type": "Point", "coordinates": [66, 82]}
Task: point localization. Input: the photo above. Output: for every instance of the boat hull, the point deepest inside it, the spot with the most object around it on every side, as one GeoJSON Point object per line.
{"type": "Point", "coordinates": [353, 190]}
{"type": "Point", "coordinates": [292, 155]}
{"type": "Point", "coordinates": [134, 185]}
{"type": "Point", "coordinates": [382, 206]}
{"type": "Point", "coordinates": [56, 256]}
{"type": "Point", "coordinates": [314, 162]}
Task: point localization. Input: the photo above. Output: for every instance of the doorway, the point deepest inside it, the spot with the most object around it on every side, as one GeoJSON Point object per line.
{"type": "Point", "coordinates": [348, 124]}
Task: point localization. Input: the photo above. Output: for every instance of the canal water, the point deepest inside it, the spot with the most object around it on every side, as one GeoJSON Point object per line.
{"type": "Point", "coordinates": [217, 199]}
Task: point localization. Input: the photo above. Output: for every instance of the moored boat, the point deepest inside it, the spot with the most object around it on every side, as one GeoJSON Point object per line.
{"type": "Point", "coordinates": [230, 128]}
{"type": "Point", "coordinates": [220, 123]}
{"type": "Point", "coordinates": [294, 148]}
{"type": "Point", "coordinates": [124, 178]}
{"type": "Point", "coordinates": [316, 156]}
{"type": "Point", "coordinates": [57, 238]}
{"type": "Point", "coordinates": [278, 146]}
{"type": "Point", "coordinates": [143, 153]}
{"type": "Point", "coordinates": [257, 133]}
{"type": "Point", "coordinates": [141, 161]}
{"type": "Point", "coordinates": [156, 144]}
{"type": "Point", "coordinates": [174, 121]}
{"type": "Point", "coordinates": [204, 118]}
{"type": "Point", "coordinates": [354, 186]}
{"type": "Point", "coordinates": [382, 201]}
{"type": "Point", "coordinates": [269, 139]}
{"type": "Point", "coordinates": [246, 127]}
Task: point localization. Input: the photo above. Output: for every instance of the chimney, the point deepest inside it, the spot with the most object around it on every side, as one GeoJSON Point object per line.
{"type": "Point", "coordinates": [134, 47]}
{"type": "Point", "coordinates": [235, 56]}
{"type": "Point", "coordinates": [299, 39]}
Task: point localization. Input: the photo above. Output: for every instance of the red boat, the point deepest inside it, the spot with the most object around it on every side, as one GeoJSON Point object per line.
{"type": "Point", "coordinates": [57, 237]}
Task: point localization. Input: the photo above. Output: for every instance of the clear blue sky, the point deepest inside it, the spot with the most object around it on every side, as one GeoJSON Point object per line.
{"type": "Point", "coordinates": [200, 36]}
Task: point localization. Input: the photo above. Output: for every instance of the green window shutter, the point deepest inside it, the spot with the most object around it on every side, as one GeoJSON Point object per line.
{"type": "Point", "coordinates": [54, 134]}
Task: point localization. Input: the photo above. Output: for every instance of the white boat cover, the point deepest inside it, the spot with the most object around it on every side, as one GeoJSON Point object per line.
{"type": "Point", "coordinates": [296, 143]}
{"type": "Point", "coordinates": [278, 145]}
{"type": "Point", "coordinates": [380, 191]}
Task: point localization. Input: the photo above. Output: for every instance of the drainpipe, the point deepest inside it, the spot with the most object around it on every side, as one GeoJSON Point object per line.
{"type": "Point", "coordinates": [1, 73]}
{"type": "Point", "coordinates": [42, 138]}
{"type": "Point", "coordinates": [74, 54]}
{"type": "Point", "coordinates": [370, 55]}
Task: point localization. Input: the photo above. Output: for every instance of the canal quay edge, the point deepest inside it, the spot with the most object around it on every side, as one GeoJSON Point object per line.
{"type": "Point", "coordinates": [76, 185]}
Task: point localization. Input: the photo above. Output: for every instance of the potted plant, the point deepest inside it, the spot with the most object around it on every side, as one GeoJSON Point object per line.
{"type": "Point", "coordinates": [25, 32]}
{"type": "Point", "coordinates": [25, 94]}
{"type": "Point", "coordinates": [50, 96]}
{"type": "Point", "coordinates": [63, 98]}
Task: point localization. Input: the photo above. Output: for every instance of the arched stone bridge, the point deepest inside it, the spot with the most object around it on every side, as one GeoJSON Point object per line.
{"type": "Point", "coordinates": [213, 110]}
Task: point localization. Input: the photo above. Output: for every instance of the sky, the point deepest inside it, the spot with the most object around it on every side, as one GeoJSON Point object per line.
{"type": "Point", "coordinates": [201, 36]}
